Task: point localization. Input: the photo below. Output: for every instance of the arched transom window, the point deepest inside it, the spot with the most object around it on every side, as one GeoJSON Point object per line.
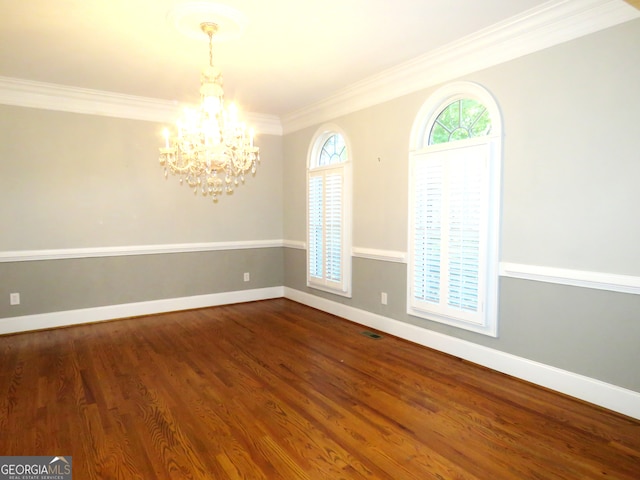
{"type": "Point", "coordinates": [461, 119]}
{"type": "Point", "coordinates": [333, 151]}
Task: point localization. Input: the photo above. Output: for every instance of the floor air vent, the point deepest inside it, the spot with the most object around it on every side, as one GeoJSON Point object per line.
{"type": "Point", "coordinates": [372, 335]}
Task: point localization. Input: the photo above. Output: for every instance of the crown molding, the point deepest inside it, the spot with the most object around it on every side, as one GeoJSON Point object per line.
{"type": "Point", "coordinates": [549, 24]}
{"type": "Point", "coordinates": [50, 96]}
{"type": "Point", "coordinates": [264, 123]}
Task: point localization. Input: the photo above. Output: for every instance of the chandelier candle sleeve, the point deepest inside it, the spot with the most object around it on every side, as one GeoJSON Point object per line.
{"type": "Point", "coordinates": [212, 150]}
{"type": "Point", "coordinates": [165, 133]}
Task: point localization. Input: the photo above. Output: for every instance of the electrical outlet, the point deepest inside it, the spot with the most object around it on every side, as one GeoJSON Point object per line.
{"type": "Point", "coordinates": [247, 276]}
{"type": "Point", "coordinates": [383, 298]}
{"type": "Point", "coordinates": [14, 299]}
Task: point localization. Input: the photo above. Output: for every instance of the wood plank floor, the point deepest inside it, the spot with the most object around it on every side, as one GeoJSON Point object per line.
{"type": "Point", "coordinates": [277, 390]}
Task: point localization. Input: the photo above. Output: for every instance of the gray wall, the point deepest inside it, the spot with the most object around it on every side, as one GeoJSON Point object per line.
{"type": "Point", "coordinates": [570, 189]}
{"type": "Point", "coordinates": [60, 285]}
{"type": "Point", "coordinates": [70, 181]}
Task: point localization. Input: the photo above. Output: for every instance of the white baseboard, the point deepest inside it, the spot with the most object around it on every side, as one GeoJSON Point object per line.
{"type": "Point", "coordinates": [588, 389]}
{"type": "Point", "coordinates": [97, 314]}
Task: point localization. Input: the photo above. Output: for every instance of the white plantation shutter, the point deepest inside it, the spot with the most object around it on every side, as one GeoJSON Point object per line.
{"type": "Point", "coordinates": [316, 222]}
{"type": "Point", "coordinates": [326, 249]}
{"type": "Point", "coordinates": [427, 231]}
{"type": "Point", "coordinates": [465, 195]}
{"type": "Point", "coordinates": [450, 202]}
{"type": "Point", "coordinates": [333, 226]}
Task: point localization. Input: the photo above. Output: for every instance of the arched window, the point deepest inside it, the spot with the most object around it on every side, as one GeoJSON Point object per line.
{"type": "Point", "coordinates": [461, 119]}
{"type": "Point", "coordinates": [329, 212]}
{"type": "Point", "coordinates": [454, 204]}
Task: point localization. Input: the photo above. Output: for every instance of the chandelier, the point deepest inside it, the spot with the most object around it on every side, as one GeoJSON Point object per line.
{"type": "Point", "coordinates": [212, 150]}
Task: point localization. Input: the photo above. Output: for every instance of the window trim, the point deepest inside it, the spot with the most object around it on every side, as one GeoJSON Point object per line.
{"type": "Point", "coordinates": [419, 146]}
{"type": "Point", "coordinates": [344, 288]}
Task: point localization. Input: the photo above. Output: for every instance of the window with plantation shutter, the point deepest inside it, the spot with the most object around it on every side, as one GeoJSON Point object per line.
{"type": "Point", "coordinates": [448, 252]}
{"type": "Point", "coordinates": [328, 219]}
{"type": "Point", "coordinates": [454, 209]}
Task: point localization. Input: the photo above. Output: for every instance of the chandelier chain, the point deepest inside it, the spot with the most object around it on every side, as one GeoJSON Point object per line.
{"type": "Point", "coordinates": [210, 33]}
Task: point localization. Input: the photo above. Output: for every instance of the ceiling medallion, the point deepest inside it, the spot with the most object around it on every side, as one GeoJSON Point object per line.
{"type": "Point", "coordinates": [187, 18]}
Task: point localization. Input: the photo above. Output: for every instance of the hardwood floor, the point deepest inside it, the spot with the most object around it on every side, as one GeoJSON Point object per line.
{"type": "Point", "coordinates": [277, 390]}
